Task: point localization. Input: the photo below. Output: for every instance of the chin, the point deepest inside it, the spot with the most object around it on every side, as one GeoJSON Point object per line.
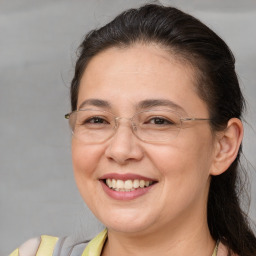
{"type": "Point", "coordinates": [127, 227]}
{"type": "Point", "coordinates": [126, 221]}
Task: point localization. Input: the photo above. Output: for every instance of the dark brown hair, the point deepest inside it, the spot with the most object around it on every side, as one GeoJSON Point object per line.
{"type": "Point", "coordinates": [217, 85]}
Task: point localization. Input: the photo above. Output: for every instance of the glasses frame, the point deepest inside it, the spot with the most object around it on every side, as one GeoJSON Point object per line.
{"type": "Point", "coordinates": [134, 126]}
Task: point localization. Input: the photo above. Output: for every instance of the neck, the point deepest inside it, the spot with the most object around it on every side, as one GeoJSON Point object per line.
{"type": "Point", "coordinates": [180, 239]}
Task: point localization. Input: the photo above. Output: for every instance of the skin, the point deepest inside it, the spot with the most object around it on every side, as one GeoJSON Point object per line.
{"type": "Point", "coordinates": [170, 219]}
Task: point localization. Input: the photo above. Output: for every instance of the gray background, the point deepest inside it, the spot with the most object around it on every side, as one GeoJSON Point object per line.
{"type": "Point", "coordinates": [38, 39]}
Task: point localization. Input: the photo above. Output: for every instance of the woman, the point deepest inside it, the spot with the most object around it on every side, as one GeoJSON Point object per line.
{"type": "Point", "coordinates": [156, 109]}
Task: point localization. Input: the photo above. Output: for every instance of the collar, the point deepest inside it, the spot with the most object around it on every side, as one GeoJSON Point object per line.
{"type": "Point", "coordinates": [95, 246]}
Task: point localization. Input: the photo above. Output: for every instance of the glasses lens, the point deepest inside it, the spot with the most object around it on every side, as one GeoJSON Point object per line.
{"type": "Point", "coordinates": [92, 126]}
{"type": "Point", "coordinates": [157, 125]}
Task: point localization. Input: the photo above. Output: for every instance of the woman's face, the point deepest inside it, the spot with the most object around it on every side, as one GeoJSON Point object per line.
{"type": "Point", "coordinates": [179, 169]}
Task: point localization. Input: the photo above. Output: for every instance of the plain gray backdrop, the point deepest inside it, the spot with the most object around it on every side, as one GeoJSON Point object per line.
{"type": "Point", "coordinates": [38, 40]}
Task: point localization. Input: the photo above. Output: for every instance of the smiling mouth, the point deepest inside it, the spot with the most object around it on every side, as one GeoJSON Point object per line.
{"type": "Point", "coordinates": [127, 185]}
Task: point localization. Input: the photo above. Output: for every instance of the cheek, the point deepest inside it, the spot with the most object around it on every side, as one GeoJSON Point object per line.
{"type": "Point", "coordinates": [185, 174]}
{"type": "Point", "coordinates": [187, 162]}
{"type": "Point", "coordinates": [85, 159]}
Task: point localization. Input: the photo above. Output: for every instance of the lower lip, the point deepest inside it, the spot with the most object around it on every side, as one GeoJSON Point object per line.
{"type": "Point", "coordinates": [122, 195]}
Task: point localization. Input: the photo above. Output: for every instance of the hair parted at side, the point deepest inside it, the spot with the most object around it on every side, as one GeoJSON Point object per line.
{"type": "Point", "coordinates": [214, 64]}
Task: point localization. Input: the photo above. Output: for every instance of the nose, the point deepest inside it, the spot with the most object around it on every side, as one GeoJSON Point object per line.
{"type": "Point", "coordinates": [124, 146]}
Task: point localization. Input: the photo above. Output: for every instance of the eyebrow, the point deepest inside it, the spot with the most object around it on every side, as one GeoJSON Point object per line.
{"type": "Point", "coordinates": [95, 103]}
{"type": "Point", "coordinates": [151, 103]}
{"type": "Point", "coordinates": [145, 104]}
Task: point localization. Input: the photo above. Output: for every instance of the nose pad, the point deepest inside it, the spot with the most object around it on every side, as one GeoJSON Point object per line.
{"type": "Point", "coordinates": [128, 125]}
{"type": "Point", "coordinates": [117, 122]}
{"type": "Point", "coordinates": [122, 146]}
{"type": "Point", "coordinates": [134, 128]}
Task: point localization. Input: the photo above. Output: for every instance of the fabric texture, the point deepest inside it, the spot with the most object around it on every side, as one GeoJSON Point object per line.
{"type": "Point", "coordinates": [45, 248]}
{"type": "Point", "coordinates": [94, 248]}
{"type": "Point", "coordinates": [47, 245]}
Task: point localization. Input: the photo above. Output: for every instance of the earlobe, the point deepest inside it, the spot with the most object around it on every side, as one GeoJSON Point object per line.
{"type": "Point", "coordinates": [227, 146]}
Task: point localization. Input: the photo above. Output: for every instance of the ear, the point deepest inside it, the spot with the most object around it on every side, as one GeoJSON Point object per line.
{"type": "Point", "coordinates": [227, 145]}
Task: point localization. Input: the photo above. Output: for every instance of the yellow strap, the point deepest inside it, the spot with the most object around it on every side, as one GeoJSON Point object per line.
{"type": "Point", "coordinates": [95, 246]}
{"type": "Point", "coordinates": [15, 253]}
{"type": "Point", "coordinates": [216, 249]}
{"type": "Point", "coordinates": [47, 245]}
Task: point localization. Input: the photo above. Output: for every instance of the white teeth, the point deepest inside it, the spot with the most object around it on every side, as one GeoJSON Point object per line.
{"type": "Point", "coordinates": [113, 183]}
{"type": "Point", "coordinates": [128, 185]}
{"type": "Point", "coordinates": [120, 184]}
{"type": "Point", "coordinates": [109, 183]}
{"type": "Point", "coordinates": [136, 183]}
{"type": "Point", "coordinates": [142, 183]}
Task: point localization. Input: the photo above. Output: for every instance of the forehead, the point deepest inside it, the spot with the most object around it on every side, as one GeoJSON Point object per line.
{"type": "Point", "coordinates": [137, 59]}
{"type": "Point", "coordinates": [129, 75]}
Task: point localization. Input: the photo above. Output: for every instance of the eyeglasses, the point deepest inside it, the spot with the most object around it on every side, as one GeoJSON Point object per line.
{"type": "Point", "coordinates": [155, 126]}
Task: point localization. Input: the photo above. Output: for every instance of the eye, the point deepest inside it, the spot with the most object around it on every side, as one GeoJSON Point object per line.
{"type": "Point", "coordinates": [96, 120]}
{"type": "Point", "coordinates": [159, 121]}
{"type": "Point", "coordinates": [89, 119]}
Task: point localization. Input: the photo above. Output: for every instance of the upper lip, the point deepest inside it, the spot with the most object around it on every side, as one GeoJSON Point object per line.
{"type": "Point", "coordinates": [125, 176]}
